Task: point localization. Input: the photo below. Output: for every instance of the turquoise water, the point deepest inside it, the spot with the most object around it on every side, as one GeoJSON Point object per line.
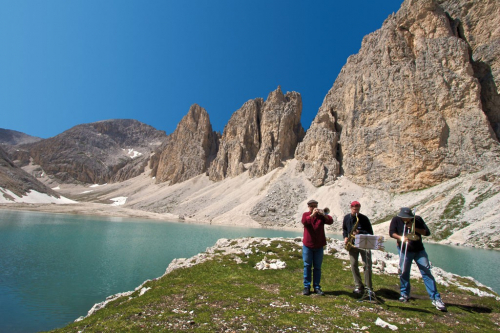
{"type": "Point", "coordinates": [53, 267]}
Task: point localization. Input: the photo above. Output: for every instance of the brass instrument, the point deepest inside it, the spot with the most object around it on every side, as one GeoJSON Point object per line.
{"type": "Point", "coordinates": [412, 236]}
{"type": "Point", "coordinates": [325, 211]}
{"type": "Point", "coordinates": [352, 235]}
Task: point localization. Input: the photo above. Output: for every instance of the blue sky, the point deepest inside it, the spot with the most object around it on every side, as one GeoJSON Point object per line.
{"type": "Point", "coordinates": [64, 63]}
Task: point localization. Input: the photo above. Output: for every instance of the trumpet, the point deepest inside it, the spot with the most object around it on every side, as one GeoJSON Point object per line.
{"type": "Point", "coordinates": [352, 235]}
{"type": "Point", "coordinates": [324, 211]}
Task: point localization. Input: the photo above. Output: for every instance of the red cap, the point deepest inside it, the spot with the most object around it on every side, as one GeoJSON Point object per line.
{"type": "Point", "coordinates": [355, 203]}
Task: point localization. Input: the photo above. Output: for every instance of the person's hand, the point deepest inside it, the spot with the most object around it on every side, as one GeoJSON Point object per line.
{"type": "Point", "coordinates": [345, 240]}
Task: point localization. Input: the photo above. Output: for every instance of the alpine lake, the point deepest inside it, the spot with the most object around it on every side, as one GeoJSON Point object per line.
{"type": "Point", "coordinates": [55, 267]}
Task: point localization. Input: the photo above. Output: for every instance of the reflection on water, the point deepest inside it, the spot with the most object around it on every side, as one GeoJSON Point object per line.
{"type": "Point", "coordinates": [54, 267]}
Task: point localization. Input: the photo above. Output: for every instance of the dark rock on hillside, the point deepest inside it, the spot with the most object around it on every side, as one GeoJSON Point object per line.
{"type": "Point", "coordinates": [17, 181]}
{"type": "Point", "coordinates": [189, 150]}
{"type": "Point", "coordinates": [100, 152]}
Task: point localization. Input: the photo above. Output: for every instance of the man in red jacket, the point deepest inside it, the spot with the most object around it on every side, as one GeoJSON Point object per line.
{"type": "Point", "coordinates": [314, 240]}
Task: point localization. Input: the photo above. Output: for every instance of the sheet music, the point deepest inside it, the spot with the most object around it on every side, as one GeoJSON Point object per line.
{"type": "Point", "coordinates": [370, 242]}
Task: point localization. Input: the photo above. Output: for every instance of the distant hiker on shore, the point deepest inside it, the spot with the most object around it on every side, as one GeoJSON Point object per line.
{"type": "Point", "coordinates": [314, 240]}
{"type": "Point", "coordinates": [408, 229]}
{"type": "Point", "coordinates": [356, 223]}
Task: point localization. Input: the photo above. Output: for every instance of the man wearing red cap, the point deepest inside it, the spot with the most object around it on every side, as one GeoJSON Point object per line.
{"type": "Point", "coordinates": [314, 240]}
{"type": "Point", "coordinates": [364, 227]}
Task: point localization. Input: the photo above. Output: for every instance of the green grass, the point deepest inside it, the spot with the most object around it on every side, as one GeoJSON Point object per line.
{"type": "Point", "coordinates": [223, 296]}
{"type": "Point", "coordinates": [444, 229]}
{"type": "Point", "coordinates": [385, 218]}
{"type": "Point", "coordinates": [454, 207]}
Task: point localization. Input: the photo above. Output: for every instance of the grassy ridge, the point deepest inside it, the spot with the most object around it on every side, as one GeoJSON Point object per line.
{"type": "Point", "coordinates": [221, 295]}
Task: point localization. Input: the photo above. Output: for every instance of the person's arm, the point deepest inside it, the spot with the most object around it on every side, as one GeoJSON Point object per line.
{"type": "Point", "coordinates": [366, 226]}
{"type": "Point", "coordinates": [393, 230]}
{"type": "Point", "coordinates": [345, 233]}
{"type": "Point", "coordinates": [328, 219]}
{"type": "Point", "coordinates": [422, 229]}
{"type": "Point", "coordinates": [306, 219]}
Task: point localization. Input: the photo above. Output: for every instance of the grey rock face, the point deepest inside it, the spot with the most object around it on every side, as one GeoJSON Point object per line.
{"type": "Point", "coordinates": [262, 133]}
{"type": "Point", "coordinates": [406, 111]}
{"type": "Point", "coordinates": [100, 152]}
{"type": "Point", "coordinates": [280, 131]}
{"type": "Point", "coordinates": [189, 149]}
{"type": "Point", "coordinates": [240, 142]}
{"type": "Point", "coordinates": [478, 23]}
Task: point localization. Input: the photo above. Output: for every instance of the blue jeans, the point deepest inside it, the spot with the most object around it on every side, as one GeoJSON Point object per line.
{"type": "Point", "coordinates": [425, 269]}
{"type": "Point", "coordinates": [313, 258]}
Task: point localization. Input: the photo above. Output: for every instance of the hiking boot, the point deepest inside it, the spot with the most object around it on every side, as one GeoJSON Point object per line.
{"type": "Point", "coordinates": [320, 292]}
{"type": "Point", "coordinates": [306, 291]}
{"type": "Point", "coordinates": [404, 299]}
{"type": "Point", "coordinates": [438, 303]}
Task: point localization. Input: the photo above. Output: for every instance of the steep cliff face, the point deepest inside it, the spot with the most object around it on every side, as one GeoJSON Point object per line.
{"type": "Point", "coordinates": [280, 131]}
{"type": "Point", "coordinates": [261, 133]}
{"type": "Point", "coordinates": [100, 152]}
{"type": "Point", "coordinates": [240, 142]}
{"type": "Point", "coordinates": [406, 111]}
{"type": "Point", "coordinates": [478, 23]}
{"type": "Point", "coordinates": [189, 150]}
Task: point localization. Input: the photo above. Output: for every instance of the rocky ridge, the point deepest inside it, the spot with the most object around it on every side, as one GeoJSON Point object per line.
{"type": "Point", "coordinates": [14, 138]}
{"type": "Point", "coordinates": [240, 142]}
{"type": "Point", "coordinates": [280, 131]}
{"type": "Point", "coordinates": [95, 153]}
{"type": "Point", "coordinates": [189, 149]}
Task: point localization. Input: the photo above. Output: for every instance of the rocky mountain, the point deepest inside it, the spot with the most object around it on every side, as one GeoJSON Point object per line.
{"type": "Point", "coordinates": [280, 131]}
{"type": "Point", "coordinates": [17, 181]}
{"type": "Point", "coordinates": [417, 105]}
{"type": "Point", "coordinates": [240, 142]}
{"type": "Point", "coordinates": [261, 133]}
{"type": "Point", "coordinates": [100, 152]}
{"type": "Point", "coordinates": [14, 138]}
{"type": "Point", "coordinates": [189, 150]}
{"type": "Point", "coordinates": [416, 109]}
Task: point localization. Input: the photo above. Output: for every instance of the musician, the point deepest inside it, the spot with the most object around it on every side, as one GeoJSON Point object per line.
{"type": "Point", "coordinates": [364, 227]}
{"type": "Point", "coordinates": [413, 250]}
{"type": "Point", "coordinates": [314, 240]}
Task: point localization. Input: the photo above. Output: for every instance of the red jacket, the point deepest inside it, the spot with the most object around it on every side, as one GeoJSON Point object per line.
{"type": "Point", "coordinates": [314, 229]}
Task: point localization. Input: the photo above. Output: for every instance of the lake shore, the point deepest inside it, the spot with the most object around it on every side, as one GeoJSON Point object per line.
{"type": "Point", "coordinates": [107, 210]}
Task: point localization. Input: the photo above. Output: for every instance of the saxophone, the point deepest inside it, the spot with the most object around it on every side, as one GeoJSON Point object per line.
{"type": "Point", "coordinates": [352, 235]}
